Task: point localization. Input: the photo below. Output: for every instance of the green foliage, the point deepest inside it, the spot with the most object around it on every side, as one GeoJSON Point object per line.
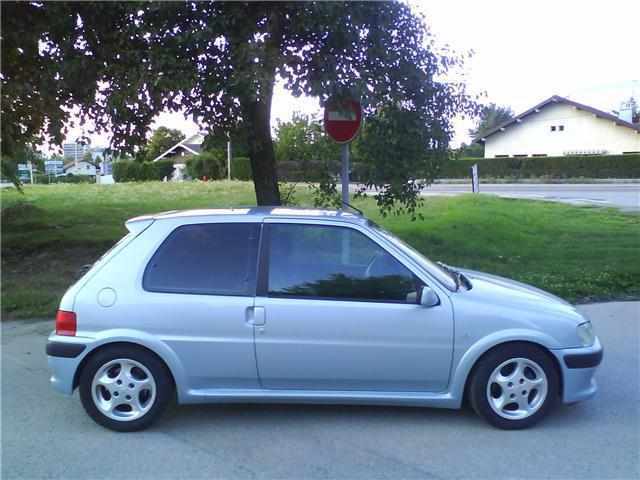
{"type": "Point", "coordinates": [120, 64]}
{"type": "Point", "coordinates": [592, 166]}
{"type": "Point", "coordinates": [134, 171]}
{"type": "Point", "coordinates": [304, 152]}
{"type": "Point", "coordinates": [491, 116]}
{"type": "Point", "coordinates": [474, 150]}
{"type": "Point", "coordinates": [241, 168]}
{"type": "Point", "coordinates": [43, 179]}
{"type": "Point", "coordinates": [161, 140]}
{"type": "Point", "coordinates": [401, 158]}
{"type": "Point", "coordinates": [211, 164]}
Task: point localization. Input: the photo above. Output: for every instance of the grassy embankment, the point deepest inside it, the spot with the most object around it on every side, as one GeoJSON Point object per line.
{"type": "Point", "coordinates": [576, 252]}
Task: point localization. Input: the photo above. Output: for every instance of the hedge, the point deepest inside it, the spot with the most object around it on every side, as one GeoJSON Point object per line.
{"type": "Point", "coordinates": [211, 164]}
{"type": "Point", "coordinates": [45, 179]}
{"type": "Point", "coordinates": [241, 168]}
{"type": "Point", "coordinates": [133, 171]}
{"type": "Point", "coordinates": [592, 166]}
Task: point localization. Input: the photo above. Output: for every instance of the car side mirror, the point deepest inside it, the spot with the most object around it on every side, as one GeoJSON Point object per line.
{"type": "Point", "coordinates": [427, 297]}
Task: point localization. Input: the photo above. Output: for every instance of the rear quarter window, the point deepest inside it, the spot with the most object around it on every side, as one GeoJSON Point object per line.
{"type": "Point", "coordinates": [207, 258]}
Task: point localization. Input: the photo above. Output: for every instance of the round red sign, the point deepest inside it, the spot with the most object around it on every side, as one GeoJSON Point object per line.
{"type": "Point", "coordinates": [342, 120]}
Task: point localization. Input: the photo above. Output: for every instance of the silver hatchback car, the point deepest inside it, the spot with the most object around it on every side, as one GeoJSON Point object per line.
{"type": "Point", "coordinates": [293, 305]}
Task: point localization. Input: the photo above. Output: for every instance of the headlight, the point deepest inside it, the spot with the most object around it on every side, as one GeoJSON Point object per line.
{"type": "Point", "coordinates": [585, 333]}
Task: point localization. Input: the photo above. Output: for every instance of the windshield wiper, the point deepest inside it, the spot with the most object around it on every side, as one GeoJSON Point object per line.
{"type": "Point", "coordinates": [459, 278]}
{"type": "Point", "coordinates": [455, 275]}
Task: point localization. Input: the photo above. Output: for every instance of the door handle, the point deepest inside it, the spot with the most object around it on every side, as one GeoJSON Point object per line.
{"type": "Point", "coordinates": [256, 316]}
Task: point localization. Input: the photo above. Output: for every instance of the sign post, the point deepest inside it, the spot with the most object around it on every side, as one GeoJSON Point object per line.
{"type": "Point", "coordinates": [229, 159]}
{"type": "Point", "coordinates": [342, 121]}
{"type": "Point", "coordinates": [475, 182]}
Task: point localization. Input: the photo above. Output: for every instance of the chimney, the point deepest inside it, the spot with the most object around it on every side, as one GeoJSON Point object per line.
{"type": "Point", "coordinates": [626, 111]}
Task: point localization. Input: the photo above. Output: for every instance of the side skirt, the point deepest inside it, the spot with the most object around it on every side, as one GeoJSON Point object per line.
{"type": "Point", "coordinates": [416, 399]}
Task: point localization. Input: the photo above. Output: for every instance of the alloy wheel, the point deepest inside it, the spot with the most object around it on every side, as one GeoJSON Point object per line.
{"type": "Point", "coordinates": [517, 388]}
{"type": "Point", "coordinates": [123, 389]}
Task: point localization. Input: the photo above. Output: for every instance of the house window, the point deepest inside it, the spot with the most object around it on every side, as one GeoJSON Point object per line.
{"type": "Point", "coordinates": [553, 128]}
{"type": "Point", "coordinates": [561, 128]}
{"type": "Point", "coordinates": [520, 155]}
{"type": "Point", "coordinates": [539, 155]}
{"type": "Point", "coordinates": [500, 156]}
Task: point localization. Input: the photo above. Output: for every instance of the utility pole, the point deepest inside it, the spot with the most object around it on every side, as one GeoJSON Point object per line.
{"type": "Point", "coordinates": [229, 158]}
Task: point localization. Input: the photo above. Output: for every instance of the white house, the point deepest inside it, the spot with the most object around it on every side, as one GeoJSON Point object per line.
{"type": "Point", "coordinates": [189, 146]}
{"type": "Point", "coordinates": [559, 126]}
{"type": "Point", "coordinates": [79, 168]}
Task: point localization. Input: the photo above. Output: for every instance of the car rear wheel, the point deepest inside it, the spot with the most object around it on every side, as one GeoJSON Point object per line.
{"type": "Point", "coordinates": [514, 386]}
{"type": "Point", "coordinates": [125, 388]}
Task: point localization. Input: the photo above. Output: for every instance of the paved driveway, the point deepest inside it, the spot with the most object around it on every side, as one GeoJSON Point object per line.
{"type": "Point", "coordinates": [48, 435]}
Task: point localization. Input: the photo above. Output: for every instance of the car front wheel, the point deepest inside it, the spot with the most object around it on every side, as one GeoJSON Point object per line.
{"type": "Point", "coordinates": [514, 386]}
{"type": "Point", "coordinates": [125, 388]}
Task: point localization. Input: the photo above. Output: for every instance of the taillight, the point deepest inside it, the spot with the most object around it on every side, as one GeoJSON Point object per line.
{"type": "Point", "coordinates": [66, 323]}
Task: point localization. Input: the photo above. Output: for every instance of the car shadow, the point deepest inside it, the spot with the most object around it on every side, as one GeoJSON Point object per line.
{"type": "Point", "coordinates": [270, 414]}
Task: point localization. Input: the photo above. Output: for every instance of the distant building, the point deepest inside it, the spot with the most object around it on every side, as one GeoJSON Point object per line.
{"type": "Point", "coordinates": [74, 151]}
{"type": "Point", "coordinates": [189, 146]}
{"type": "Point", "coordinates": [559, 126]}
{"type": "Point", "coordinates": [79, 168]}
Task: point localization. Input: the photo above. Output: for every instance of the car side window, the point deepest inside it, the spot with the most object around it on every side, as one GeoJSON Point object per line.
{"type": "Point", "coordinates": [331, 262]}
{"type": "Point", "coordinates": [206, 258]}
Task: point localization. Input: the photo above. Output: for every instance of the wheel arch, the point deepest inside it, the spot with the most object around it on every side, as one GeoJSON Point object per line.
{"type": "Point", "coordinates": [487, 351]}
{"type": "Point", "coordinates": [121, 343]}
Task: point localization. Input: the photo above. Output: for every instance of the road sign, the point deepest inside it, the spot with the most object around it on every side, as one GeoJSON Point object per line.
{"type": "Point", "coordinates": [25, 172]}
{"type": "Point", "coordinates": [342, 120]}
{"type": "Point", "coordinates": [53, 167]}
{"type": "Point", "coordinates": [475, 182]}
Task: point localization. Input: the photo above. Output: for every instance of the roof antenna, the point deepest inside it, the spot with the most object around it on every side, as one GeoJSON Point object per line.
{"type": "Point", "coordinates": [357, 210]}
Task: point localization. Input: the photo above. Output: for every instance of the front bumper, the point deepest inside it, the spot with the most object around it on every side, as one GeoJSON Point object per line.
{"type": "Point", "coordinates": [578, 367]}
{"type": "Point", "coordinates": [64, 355]}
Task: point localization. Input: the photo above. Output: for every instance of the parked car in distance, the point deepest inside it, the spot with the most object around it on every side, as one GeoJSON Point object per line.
{"type": "Point", "coordinates": [318, 306]}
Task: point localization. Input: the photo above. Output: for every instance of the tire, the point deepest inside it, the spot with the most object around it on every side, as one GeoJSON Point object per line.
{"type": "Point", "coordinates": [125, 388]}
{"type": "Point", "coordinates": [514, 386]}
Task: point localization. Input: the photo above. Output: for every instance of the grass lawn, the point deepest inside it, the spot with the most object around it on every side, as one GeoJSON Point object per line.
{"type": "Point", "coordinates": [578, 253]}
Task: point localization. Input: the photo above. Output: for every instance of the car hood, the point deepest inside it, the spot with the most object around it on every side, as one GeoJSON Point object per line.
{"type": "Point", "coordinates": [510, 293]}
{"type": "Point", "coordinates": [522, 290]}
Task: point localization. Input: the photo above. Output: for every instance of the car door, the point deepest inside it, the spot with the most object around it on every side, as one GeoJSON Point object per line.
{"type": "Point", "coordinates": [198, 292]}
{"type": "Point", "coordinates": [340, 313]}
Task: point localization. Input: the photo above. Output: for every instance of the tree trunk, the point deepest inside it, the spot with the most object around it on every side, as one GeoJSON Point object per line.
{"type": "Point", "coordinates": [261, 154]}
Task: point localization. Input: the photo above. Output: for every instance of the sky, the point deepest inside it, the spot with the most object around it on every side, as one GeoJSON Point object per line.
{"type": "Point", "coordinates": [524, 52]}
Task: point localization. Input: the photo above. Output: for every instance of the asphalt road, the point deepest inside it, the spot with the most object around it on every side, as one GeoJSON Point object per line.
{"type": "Point", "coordinates": [45, 434]}
{"type": "Point", "coordinates": [625, 196]}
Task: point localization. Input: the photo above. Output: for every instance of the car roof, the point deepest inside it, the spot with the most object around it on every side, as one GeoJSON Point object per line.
{"type": "Point", "coordinates": [258, 213]}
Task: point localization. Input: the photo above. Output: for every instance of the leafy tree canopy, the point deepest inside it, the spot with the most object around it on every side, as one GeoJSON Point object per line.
{"type": "Point", "coordinates": [163, 139]}
{"type": "Point", "coordinates": [491, 116]}
{"type": "Point", "coordinates": [122, 63]}
{"type": "Point", "coordinates": [302, 139]}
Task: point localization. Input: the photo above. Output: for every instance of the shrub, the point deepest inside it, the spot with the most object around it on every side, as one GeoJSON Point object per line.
{"type": "Point", "coordinates": [43, 179]}
{"type": "Point", "coordinates": [591, 166]}
{"type": "Point", "coordinates": [309, 171]}
{"type": "Point", "coordinates": [210, 164]}
{"type": "Point", "coordinates": [162, 168]}
{"type": "Point", "coordinates": [134, 171]}
{"type": "Point", "coordinates": [241, 168]}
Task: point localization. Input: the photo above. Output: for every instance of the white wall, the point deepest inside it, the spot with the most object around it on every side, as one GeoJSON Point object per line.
{"type": "Point", "coordinates": [83, 168]}
{"type": "Point", "coordinates": [583, 133]}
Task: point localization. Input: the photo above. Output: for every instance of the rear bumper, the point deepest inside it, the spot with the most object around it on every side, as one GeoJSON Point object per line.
{"type": "Point", "coordinates": [64, 355]}
{"type": "Point", "coordinates": [578, 367]}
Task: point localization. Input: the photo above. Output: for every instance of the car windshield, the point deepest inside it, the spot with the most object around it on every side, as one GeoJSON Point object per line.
{"type": "Point", "coordinates": [443, 275]}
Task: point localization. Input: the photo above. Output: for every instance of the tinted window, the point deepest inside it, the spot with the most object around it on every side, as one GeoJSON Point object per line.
{"type": "Point", "coordinates": [213, 258]}
{"type": "Point", "coordinates": [334, 262]}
